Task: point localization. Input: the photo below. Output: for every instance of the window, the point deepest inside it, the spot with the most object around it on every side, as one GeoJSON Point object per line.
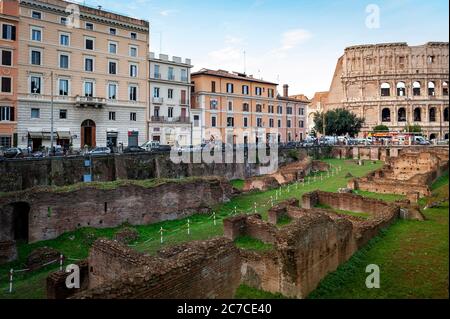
{"type": "Point", "coordinates": [170, 93]}
{"type": "Point", "coordinates": [8, 32]}
{"type": "Point", "coordinates": [112, 31]}
{"type": "Point", "coordinates": [112, 67]}
{"type": "Point", "coordinates": [63, 114]}
{"type": "Point", "coordinates": [446, 114]}
{"type": "Point", "coordinates": [289, 110]}
{"type": "Point", "coordinates": [271, 123]}
{"type": "Point", "coordinates": [386, 115]}
{"type": "Point", "coordinates": [301, 124]}
{"type": "Point", "coordinates": [431, 59]}
{"type": "Point", "coordinates": [89, 44]}
{"type": "Point", "coordinates": [445, 88]}
{"type": "Point", "coordinates": [89, 26]}
{"type": "Point", "coordinates": [432, 115]}
{"type": "Point", "coordinates": [5, 141]}
{"type": "Point", "coordinates": [401, 115]}
{"type": "Point", "coordinates": [230, 106]}
{"type": "Point", "coordinates": [64, 40]}
{"type": "Point", "coordinates": [133, 116]}
{"type": "Point", "coordinates": [385, 89]}
{"type": "Point", "coordinates": [270, 93]}
{"type": "Point", "coordinates": [279, 123]}
{"type": "Point", "coordinates": [36, 15]}
{"type": "Point", "coordinates": [184, 77]}
{"type": "Point", "coordinates": [133, 93]}
{"type": "Point", "coordinates": [288, 123]}
{"type": "Point", "coordinates": [301, 111]}
{"type": "Point", "coordinates": [156, 73]}
{"type": "Point", "coordinates": [112, 91]}
{"type": "Point", "coordinates": [213, 121]}
{"type": "Point", "coordinates": [112, 47]}
{"type": "Point", "coordinates": [245, 107]}
{"type": "Point", "coordinates": [35, 113]}
{"type": "Point", "coordinates": [156, 92]}
{"type": "Point", "coordinates": [63, 20]}
{"type": "Point", "coordinates": [258, 108]}
{"type": "Point", "coordinates": [36, 34]}
{"type": "Point", "coordinates": [6, 85]}
{"type": "Point", "coordinates": [213, 86]}
{"type": "Point", "coordinates": [170, 74]}
{"type": "Point", "coordinates": [35, 85]}
{"type": "Point", "coordinates": [35, 57]}
{"type": "Point", "coordinates": [6, 58]}
{"type": "Point", "coordinates": [271, 109]}
{"type": "Point", "coordinates": [6, 113]}
{"type": "Point", "coordinates": [416, 88]}
{"type": "Point", "coordinates": [213, 104]}
{"type": "Point", "coordinates": [112, 116]}
{"type": "Point", "coordinates": [196, 121]}
{"type": "Point", "coordinates": [279, 109]}
{"type": "Point", "coordinates": [170, 112]}
{"type": "Point", "coordinates": [245, 90]}
{"type": "Point", "coordinates": [431, 88]}
{"type": "Point", "coordinates": [89, 89]}
{"type": "Point", "coordinates": [63, 61]}
{"type": "Point", "coordinates": [230, 88]}
{"type": "Point", "coordinates": [133, 51]}
{"type": "Point", "coordinates": [89, 64]}
{"type": "Point", "coordinates": [245, 122]}
{"type": "Point", "coordinates": [258, 91]}
{"type": "Point", "coordinates": [417, 115]}
{"type": "Point", "coordinates": [133, 35]}
{"type": "Point", "coordinates": [133, 71]}
{"type": "Point", "coordinates": [230, 121]}
{"type": "Point", "coordinates": [259, 122]}
{"type": "Point", "coordinates": [63, 87]}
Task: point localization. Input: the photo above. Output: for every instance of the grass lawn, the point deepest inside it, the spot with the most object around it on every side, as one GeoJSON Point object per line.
{"type": "Point", "coordinates": [76, 244]}
{"type": "Point", "coordinates": [250, 243]}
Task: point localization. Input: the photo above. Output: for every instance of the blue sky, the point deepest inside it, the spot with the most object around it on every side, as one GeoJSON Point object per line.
{"type": "Point", "coordinates": [290, 41]}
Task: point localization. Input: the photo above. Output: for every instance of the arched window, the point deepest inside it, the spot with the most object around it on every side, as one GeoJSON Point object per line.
{"type": "Point", "coordinates": [401, 115]}
{"type": "Point", "coordinates": [431, 88]}
{"type": "Point", "coordinates": [445, 88]}
{"type": "Point", "coordinates": [385, 89]}
{"type": "Point", "coordinates": [432, 137]}
{"type": "Point", "coordinates": [446, 136]}
{"type": "Point", "coordinates": [432, 115]}
{"type": "Point", "coordinates": [446, 114]}
{"type": "Point", "coordinates": [417, 115]}
{"type": "Point", "coordinates": [401, 89]}
{"type": "Point", "coordinates": [416, 88]}
{"type": "Point", "coordinates": [386, 115]}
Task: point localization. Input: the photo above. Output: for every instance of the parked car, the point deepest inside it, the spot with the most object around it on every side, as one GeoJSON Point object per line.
{"type": "Point", "coordinates": [37, 154]}
{"type": "Point", "coordinates": [150, 145]}
{"type": "Point", "coordinates": [162, 148]}
{"type": "Point", "coordinates": [134, 149]}
{"type": "Point", "coordinates": [13, 152]}
{"type": "Point", "coordinates": [100, 151]}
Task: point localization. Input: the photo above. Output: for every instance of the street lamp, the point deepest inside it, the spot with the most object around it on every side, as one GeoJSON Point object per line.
{"type": "Point", "coordinates": [51, 114]}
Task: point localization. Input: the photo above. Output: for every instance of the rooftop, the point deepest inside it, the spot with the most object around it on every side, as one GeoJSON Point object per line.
{"type": "Point", "coordinates": [231, 75]}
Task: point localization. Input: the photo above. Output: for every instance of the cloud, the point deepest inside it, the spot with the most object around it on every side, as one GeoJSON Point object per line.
{"type": "Point", "coordinates": [290, 39]}
{"type": "Point", "coordinates": [226, 54]}
{"type": "Point", "coordinates": [231, 40]}
{"type": "Point", "coordinates": [166, 13]}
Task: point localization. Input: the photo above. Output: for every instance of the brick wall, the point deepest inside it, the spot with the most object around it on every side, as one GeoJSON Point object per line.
{"type": "Point", "coordinates": [56, 282]}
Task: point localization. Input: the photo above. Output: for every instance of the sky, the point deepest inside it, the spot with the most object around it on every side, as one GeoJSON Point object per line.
{"type": "Point", "coordinates": [295, 42]}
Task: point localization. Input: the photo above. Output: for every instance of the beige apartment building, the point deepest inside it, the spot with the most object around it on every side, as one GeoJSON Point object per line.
{"type": "Point", "coordinates": [238, 108]}
{"type": "Point", "coordinates": [395, 85]}
{"type": "Point", "coordinates": [94, 64]}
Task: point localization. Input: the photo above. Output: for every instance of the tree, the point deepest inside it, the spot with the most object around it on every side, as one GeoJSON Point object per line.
{"type": "Point", "coordinates": [381, 128]}
{"type": "Point", "coordinates": [338, 122]}
{"type": "Point", "coordinates": [413, 128]}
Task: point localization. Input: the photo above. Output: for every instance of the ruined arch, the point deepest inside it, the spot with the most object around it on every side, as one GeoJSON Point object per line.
{"type": "Point", "coordinates": [433, 136]}
{"type": "Point", "coordinates": [446, 114]}
{"type": "Point", "coordinates": [445, 88]}
{"type": "Point", "coordinates": [431, 88]}
{"type": "Point", "coordinates": [401, 89]}
{"type": "Point", "coordinates": [386, 115]}
{"type": "Point", "coordinates": [432, 115]}
{"type": "Point", "coordinates": [385, 89]}
{"type": "Point", "coordinates": [416, 88]}
{"type": "Point", "coordinates": [417, 114]}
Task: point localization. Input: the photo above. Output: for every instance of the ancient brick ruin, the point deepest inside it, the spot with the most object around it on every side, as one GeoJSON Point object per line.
{"type": "Point", "coordinates": [411, 174]}
{"type": "Point", "coordinates": [36, 215]}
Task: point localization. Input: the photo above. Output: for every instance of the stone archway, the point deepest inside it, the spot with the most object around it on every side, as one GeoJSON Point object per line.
{"type": "Point", "coordinates": [88, 133]}
{"type": "Point", "coordinates": [14, 221]}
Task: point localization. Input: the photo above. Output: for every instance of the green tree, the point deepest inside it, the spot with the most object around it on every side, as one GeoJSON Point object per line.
{"type": "Point", "coordinates": [413, 128]}
{"type": "Point", "coordinates": [381, 128]}
{"type": "Point", "coordinates": [338, 122]}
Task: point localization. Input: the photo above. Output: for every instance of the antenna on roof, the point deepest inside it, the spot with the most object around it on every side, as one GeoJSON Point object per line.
{"type": "Point", "coordinates": [245, 63]}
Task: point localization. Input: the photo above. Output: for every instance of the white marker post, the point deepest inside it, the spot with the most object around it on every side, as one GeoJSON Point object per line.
{"type": "Point", "coordinates": [11, 280]}
{"type": "Point", "coordinates": [255, 207]}
{"type": "Point", "coordinates": [189, 227]}
{"type": "Point", "coordinates": [214, 218]}
{"type": "Point", "coordinates": [271, 201]}
{"type": "Point", "coordinates": [235, 210]}
{"type": "Point", "coordinates": [161, 232]}
{"type": "Point", "coordinates": [61, 259]}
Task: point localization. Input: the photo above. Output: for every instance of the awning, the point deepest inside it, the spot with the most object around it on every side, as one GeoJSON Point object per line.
{"type": "Point", "coordinates": [47, 135]}
{"type": "Point", "coordinates": [35, 134]}
{"type": "Point", "coordinates": [112, 134]}
{"type": "Point", "coordinates": [64, 135]}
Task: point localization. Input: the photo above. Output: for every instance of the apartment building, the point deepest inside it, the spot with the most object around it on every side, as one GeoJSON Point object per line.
{"type": "Point", "coordinates": [238, 108]}
{"type": "Point", "coordinates": [9, 26]}
{"type": "Point", "coordinates": [93, 64]}
{"type": "Point", "coordinates": [169, 118]}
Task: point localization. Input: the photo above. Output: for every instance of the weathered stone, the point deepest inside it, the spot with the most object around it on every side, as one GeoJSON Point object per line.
{"type": "Point", "coordinates": [41, 256]}
{"type": "Point", "coordinates": [127, 235]}
{"type": "Point", "coordinates": [345, 190]}
{"type": "Point", "coordinates": [8, 251]}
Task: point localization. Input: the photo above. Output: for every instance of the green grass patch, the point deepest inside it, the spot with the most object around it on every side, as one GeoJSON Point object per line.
{"type": "Point", "coordinates": [250, 243]}
{"type": "Point", "coordinates": [238, 184]}
{"type": "Point", "coordinates": [246, 292]}
{"type": "Point", "coordinates": [284, 220]}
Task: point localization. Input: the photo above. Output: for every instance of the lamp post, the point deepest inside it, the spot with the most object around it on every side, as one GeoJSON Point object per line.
{"type": "Point", "coordinates": [51, 115]}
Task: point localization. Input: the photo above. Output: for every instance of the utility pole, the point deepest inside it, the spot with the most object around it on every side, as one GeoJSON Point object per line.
{"type": "Point", "coordinates": [51, 114]}
{"type": "Point", "coordinates": [323, 125]}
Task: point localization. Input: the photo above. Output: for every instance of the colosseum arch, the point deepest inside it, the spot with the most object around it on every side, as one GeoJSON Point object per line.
{"type": "Point", "coordinates": [385, 89]}
{"type": "Point", "coordinates": [386, 115]}
{"type": "Point", "coordinates": [446, 114]}
{"type": "Point", "coordinates": [445, 88]}
{"type": "Point", "coordinates": [432, 115]}
{"type": "Point", "coordinates": [417, 114]}
{"type": "Point", "coordinates": [431, 88]}
{"type": "Point", "coordinates": [401, 115]}
{"type": "Point", "coordinates": [401, 89]}
{"type": "Point", "coordinates": [416, 88]}
{"type": "Point", "coordinates": [433, 136]}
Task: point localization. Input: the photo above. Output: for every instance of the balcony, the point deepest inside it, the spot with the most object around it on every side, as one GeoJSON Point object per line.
{"type": "Point", "coordinates": [86, 101]}
{"type": "Point", "coordinates": [184, 102]}
{"type": "Point", "coordinates": [157, 75]}
{"type": "Point", "coordinates": [168, 120]}
{"type": "Point", "coordinates": [157, 100]}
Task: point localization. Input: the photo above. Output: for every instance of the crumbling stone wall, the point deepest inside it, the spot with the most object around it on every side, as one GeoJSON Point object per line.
{"type": "Point", "coordinates": [412, 171]}
{"type": "Point", "coordinates": [196, 270]}
{"type": "Point", "coordinates": [56, 282]}
{"type": "Point", "coordinates": [53, 213]}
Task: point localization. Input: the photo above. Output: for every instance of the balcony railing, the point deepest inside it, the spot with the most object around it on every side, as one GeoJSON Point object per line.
{"type": "Point", "coordinates": [85, 101]}
{"type": "Point", "coordinates": [177, 119]}
{"type": "Point", "coordinates": [157, 100]}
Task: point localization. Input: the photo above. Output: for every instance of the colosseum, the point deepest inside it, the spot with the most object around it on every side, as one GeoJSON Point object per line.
{"type": "Point", "coordinates": [395, 85]}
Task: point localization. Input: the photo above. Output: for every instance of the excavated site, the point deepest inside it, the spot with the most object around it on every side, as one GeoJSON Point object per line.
{"type": "Point", "coordinates": [323, 231]}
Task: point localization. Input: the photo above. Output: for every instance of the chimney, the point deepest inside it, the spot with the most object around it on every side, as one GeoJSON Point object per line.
{"type": "Point", "coordinates": [286, 90]}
